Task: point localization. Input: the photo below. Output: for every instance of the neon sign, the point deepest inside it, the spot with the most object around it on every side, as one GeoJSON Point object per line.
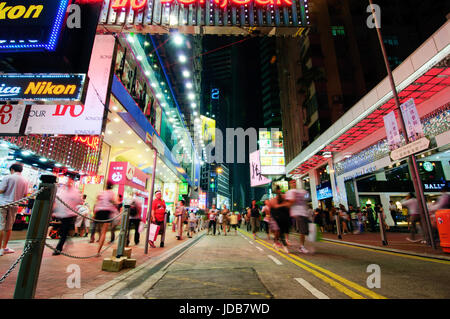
{"type": "Point", "coordinates": [91, 141]}
{"type": "Point", "coordinates": [34, 26]}
{"type": "Point", "coordinates": [138, 5]}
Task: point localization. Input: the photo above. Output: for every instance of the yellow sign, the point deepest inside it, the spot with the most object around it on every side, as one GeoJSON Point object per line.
{"type": "Point", "coordinates": [20, 11]}
{"type": "Point", "coordinates": [208, 130]}
{"type": "Point", "coordinates": [44, 88]}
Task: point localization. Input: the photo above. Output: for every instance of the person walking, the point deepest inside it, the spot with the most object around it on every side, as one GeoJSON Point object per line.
{"type": "Point", "coordinates": [254, 218]}
{"type": "Point", "coordinates": [192, 224]}
{"type": "Point", "coordinates": [115, 222]}
{"type": "Point", "coordinates": [72, 198]}
{"type": "Point", "coordinates": [296, 199]}
{"type": "Point", "coordinates": [212, 219]}
{"type": "Point", "coordinates": [105, 208]}
{"type": "Point", "coordinates": [279, 212]}
{"type": "Point", "coordinates": [370, 217]}
{"type": "Point", "coordinates": [81, 222]}
{"type": "Point", "coordinates": [234, 222]}
{"type": "Point", "coordinates": [219, 220]}
{"type": "Point", "coordinates": [157, 215]}
{"type": "Point", "coordinates": [379, 209]}
{"type": "Point", "coordinates": [394, 211]}
{"type": "Point", "coordinates": [180, 212]}
{"type": "Point", "coordinates": [344, 218]}
{"type": "Point", "coordinates": [353, 219]}
{"type": "Point", "coordinates": [134, 220]}
{"type": "Point", "coordinates": [225, 218]}
{"type": "Point", "coordinates": [411, 203]}
{"type": "Point", "coordinates": [13, 187]}
{"type": "Point", "coordinates": [266, 218]}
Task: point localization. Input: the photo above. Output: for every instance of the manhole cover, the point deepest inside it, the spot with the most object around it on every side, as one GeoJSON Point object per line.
{"type": "Point", "coordinates": [222, 283]}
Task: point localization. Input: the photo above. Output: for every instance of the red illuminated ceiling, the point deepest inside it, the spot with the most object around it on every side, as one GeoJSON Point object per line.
{"type": "Point", "coordinates": [421, 90]}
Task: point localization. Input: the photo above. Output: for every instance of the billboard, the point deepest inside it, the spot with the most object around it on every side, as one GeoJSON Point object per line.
{"type": "Point", "coordinates": [272, 153]}
{"type": "Point", "coordinates": [412, 120]}
{"type": "Point", "coordinates": [11, 118]}
{"type": "Point", "coordinates": [208, 130]}
{"type": "Point", "coordinates": [256, 178]}
{"type": "Point", "coordinates": [42, 87]}
{"type": "Point", "coordinates": [32, 25]}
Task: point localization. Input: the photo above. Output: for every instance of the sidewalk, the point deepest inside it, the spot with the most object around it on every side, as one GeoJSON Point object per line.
{"type": "Point", "coordinates": [53, 274]}
{"type": "Point", "coordinates": [395, 241]}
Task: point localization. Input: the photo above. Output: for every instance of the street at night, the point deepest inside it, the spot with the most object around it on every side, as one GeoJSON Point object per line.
{"type": "Point", "coordinates": [225, 158]}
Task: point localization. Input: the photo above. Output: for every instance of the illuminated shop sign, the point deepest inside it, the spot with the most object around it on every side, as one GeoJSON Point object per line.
{"type": "Point", "coordinates": [41, 87]}
{"type": "Point", "coordinates": [32, 25]}
{"type": "Point", "coordinates": [434, 186]}
{"type": "Point", "coordinates": [222, 13]}
{"type": "Point", "coordinates": [272, 153]}
{"type": "Point", "coordinates": [141, 4]}
{"type": "Point", "coordinates": [324, 191]}
{"type": "Point", "coordinates": [91, 141]}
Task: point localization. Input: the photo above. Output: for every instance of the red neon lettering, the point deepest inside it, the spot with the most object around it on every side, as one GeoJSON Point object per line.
{"type": "Point", "coordinates": [240, 2]}
{"type": "Point", "coordinates": [135, 4]}
{"type": "Point", "coordinates": [4, 110]}
{"type": "Point", "coordinates": [264, 2]}
{"type": "Point", "coordinates": [91, 141]}
{"type": "Point", "coordinates": [62, 109]}
{"type": "Point", "coordinates": [187, 2]}
{"type": "Point", "coordinates": [223, 4]}
{"type": "Point", "coordinates": [138, 4]}
{"type": "Point", "coordinates": [167, 1]}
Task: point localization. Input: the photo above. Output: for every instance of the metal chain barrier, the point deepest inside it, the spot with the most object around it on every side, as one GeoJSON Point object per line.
{"type": "Point", "coordinates": [78, 257]}
{"type": "Point", "coordinates": [92, 219]}
{"type": "Point", "coordinates": [26, 251]}
{"type": "Point", "coordinates": [17, 202]}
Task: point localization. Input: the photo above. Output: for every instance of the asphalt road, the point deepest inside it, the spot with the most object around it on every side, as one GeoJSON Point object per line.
{"type": "Point", "coordinates": [237, 266]}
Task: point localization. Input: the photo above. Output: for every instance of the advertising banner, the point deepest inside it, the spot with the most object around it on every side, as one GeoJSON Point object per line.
{"type": "Point", "coordinates": [11, 118]}
{"type": "Point", "coordinates": [123, 173]}
{"type": "Point", "coordinates": [256, 179]}
{"type": "Point", "coordinates": [272, 153]}
{"type": "Point", "coordinates": [183, 189]}
{"type": "Point", "coordinates": [32, 25]}
{"type": "Point", "coordinates": [65, 119]}
{"type": "Point", "coordinates": [169, 192]}
{"type": "Point", "coordinates": [412, 120]}
{"type": "Point", "coordinates": [392, 133]}
{"type": "Point", "coordinates": [42, 87]}
{"type": "Point", "coordinates": [208, 130]}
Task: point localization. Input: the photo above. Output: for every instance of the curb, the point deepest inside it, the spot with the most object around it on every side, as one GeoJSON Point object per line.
{"type": "Point", "coordinates": [398, 251]}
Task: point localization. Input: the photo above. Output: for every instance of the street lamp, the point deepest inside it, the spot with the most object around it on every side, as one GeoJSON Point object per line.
{"type": "Point", "coordinates": [219, 170]}
{"type": "Point", "coordinates": [412, 163]}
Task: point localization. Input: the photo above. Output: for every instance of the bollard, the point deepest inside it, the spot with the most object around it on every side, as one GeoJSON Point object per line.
{"type": "Point", "coordinates": [28, 275]}
{"type": "Point", "coordinates": [123, 235]}
{"type": "Point", "coordinates": [382, 230]}
{"type": "Point", "coordinates": [163, 236]}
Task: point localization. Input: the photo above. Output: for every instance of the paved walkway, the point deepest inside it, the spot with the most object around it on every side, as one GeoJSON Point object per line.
{"type": "Point", "coordinates": [395, 241]}
{"type": "Point", "coordinates": [53, 275]}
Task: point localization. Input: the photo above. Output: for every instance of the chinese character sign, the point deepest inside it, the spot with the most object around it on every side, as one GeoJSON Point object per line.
{"type": "Point", "coordinates": [256, 178]}
{"type": "Point", "coordinates": [393, 136]}
{"type": "Point", "coordinates": [412, 120]}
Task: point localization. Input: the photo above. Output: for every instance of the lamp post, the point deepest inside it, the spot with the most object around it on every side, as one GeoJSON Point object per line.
{"type": "Point", "coordinates": [412, 163]}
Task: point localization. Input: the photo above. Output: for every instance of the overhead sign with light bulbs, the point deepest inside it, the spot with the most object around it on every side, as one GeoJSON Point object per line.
{"type": "Point", "coordinates": [230, 15]}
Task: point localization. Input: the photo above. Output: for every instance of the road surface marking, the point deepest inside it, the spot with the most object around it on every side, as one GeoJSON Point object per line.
{"type": "Point", "coordinates": [251, 242]}
{"type": "Point", "coordinates": [328, 280]}
{"type": "Point", "coordinates": [275, 260]}
{"type": "Point", "coordinates": [316, 293]}
{"type": "Point", "coordinates": [445, 262]}
{"type": "Point", "coordinates": [259, 248]}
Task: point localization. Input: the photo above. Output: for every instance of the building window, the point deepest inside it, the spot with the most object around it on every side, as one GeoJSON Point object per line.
{"type": "Point", "coordinates": [391, 40]}
{"type": "Point", "coordinates": [337, 31]}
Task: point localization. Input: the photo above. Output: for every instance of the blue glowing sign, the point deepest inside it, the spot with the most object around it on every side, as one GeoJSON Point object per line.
{"type": "Point", "coordinates": [215, 94]}
{"type": "Point", "coordinates": [324, 191]}
{"type": "Point", "coordinates": [32, 25]}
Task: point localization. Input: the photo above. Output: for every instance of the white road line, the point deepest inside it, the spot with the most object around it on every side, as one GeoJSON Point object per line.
{"type": "Point", "coordinates": [259, 248]}
{"type": "Point", "coordinates": [311, 289]}
{"type": "Point", "coordinates": [251, 242]}
{"type": "Point", "coordinates": [275, 260]}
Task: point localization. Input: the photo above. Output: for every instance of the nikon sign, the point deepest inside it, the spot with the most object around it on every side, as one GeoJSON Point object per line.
{"type": "Point", "coordinates": [42, 87]}
{"type": "Point", "coordinates": [32, 25]}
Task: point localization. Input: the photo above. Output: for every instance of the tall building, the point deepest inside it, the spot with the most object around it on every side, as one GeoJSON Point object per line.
{"type": "Point", "coordinates": [331, 66]}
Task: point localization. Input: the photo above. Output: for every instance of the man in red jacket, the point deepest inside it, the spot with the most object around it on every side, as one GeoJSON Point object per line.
{"type": "Point", "coordinates": [158, 214]}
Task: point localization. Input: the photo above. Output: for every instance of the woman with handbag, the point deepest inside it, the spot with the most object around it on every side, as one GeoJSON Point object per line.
{"type": "Point", "coordinates": [180, 212]}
